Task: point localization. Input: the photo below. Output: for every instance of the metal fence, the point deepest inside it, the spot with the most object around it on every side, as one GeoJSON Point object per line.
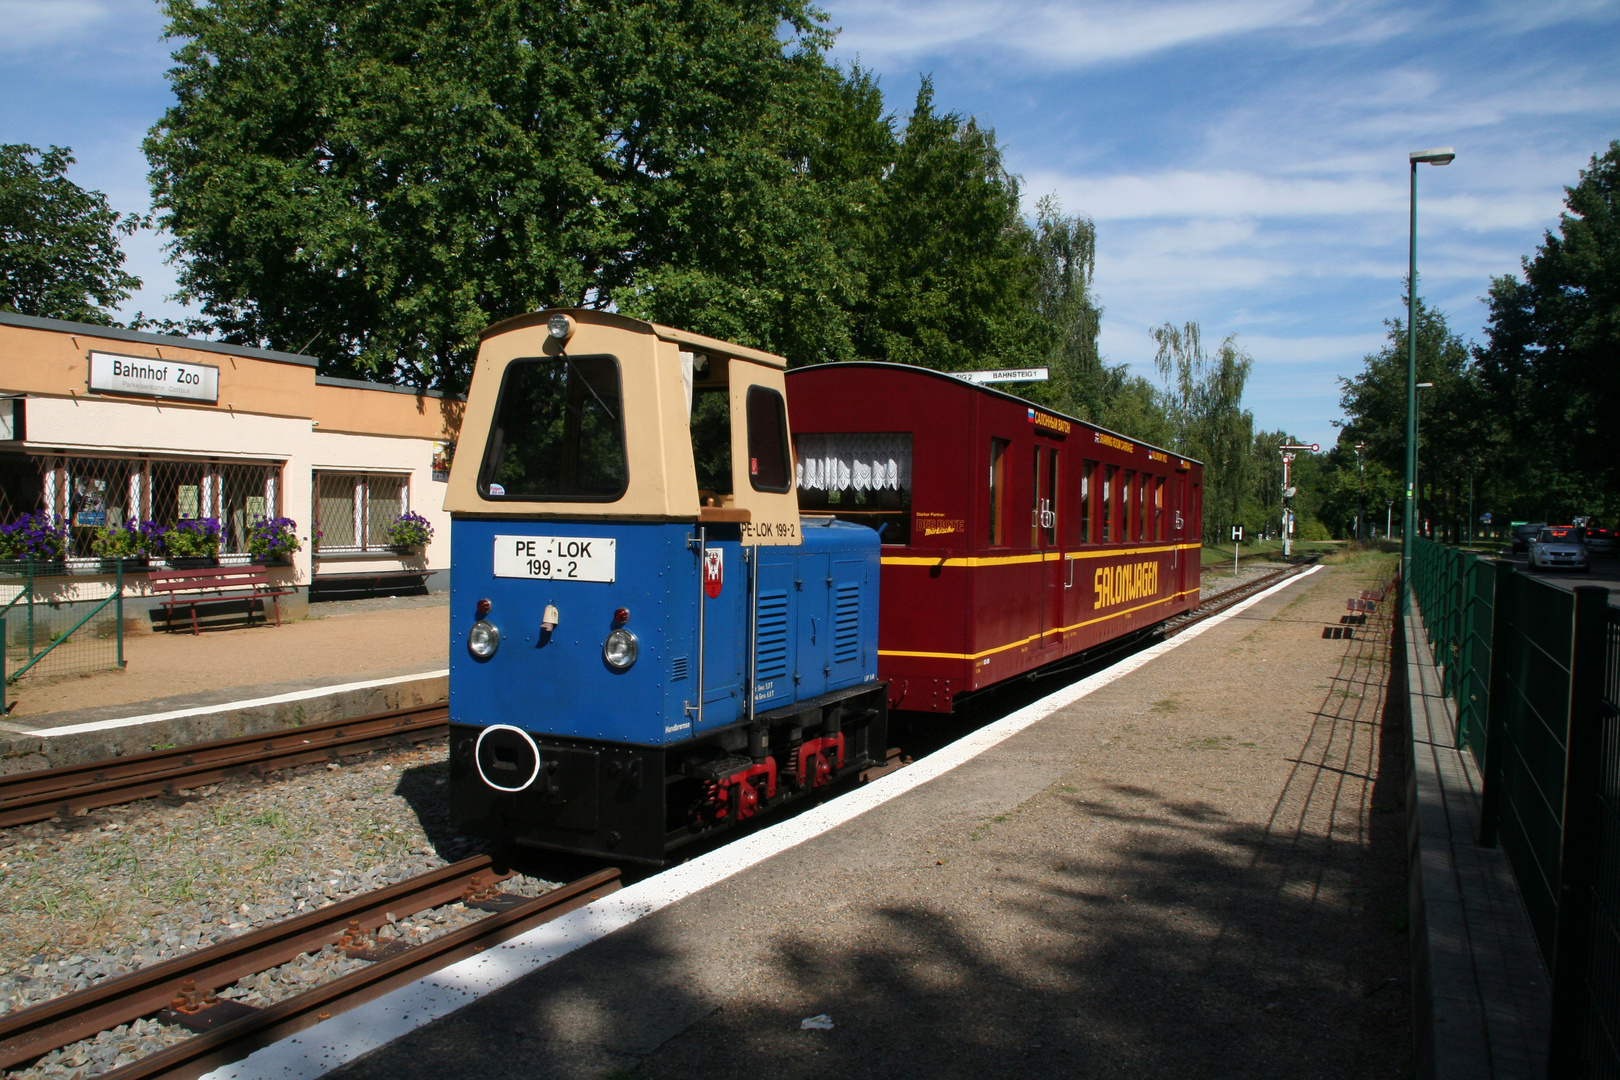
{"type": "Point", "coordinates": [54, 623]}
{"type": "Point", "coordinates": [1534, 671]}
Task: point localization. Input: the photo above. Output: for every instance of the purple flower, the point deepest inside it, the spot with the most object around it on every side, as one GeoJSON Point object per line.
{"type": "Point", "coordinates": [410, 529]}
{"type": "Point", "coordinates": [39, 537]}
{"type": "Point", "coordinates": [273, 538]}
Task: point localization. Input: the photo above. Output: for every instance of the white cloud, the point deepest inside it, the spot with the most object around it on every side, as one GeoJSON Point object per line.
{"type": "Point", "coordinates": [1062, 35]}
{"type": "Point", "coordinates": [30, 24]}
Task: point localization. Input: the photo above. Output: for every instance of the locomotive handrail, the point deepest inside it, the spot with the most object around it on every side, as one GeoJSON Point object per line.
{"type": "Point", "coordinates": [701, 542]}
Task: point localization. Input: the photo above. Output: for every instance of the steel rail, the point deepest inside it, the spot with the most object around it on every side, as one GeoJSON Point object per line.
{"type": "Point", "coordinates": [32, 1032]}
{"type": "Point", "coordinates": [235, 1039]}
{"type": "Point", "coordinates": [47, 793]}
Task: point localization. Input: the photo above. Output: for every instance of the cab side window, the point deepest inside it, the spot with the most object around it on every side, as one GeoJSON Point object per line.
{"type": "Point", "coordinates": [767, 441]}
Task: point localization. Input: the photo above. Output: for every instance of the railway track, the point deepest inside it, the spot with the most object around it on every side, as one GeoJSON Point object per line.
{"type": "Point", "coordinates": [1223, 600]}
{"type": "Point", "coordinates": [182, 990]}
{"type": "Point", "coordinates": [60, 792]}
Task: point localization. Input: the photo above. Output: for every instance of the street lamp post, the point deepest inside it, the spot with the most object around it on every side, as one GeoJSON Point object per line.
{"type": "Point", "coordinates": [1440, 156]}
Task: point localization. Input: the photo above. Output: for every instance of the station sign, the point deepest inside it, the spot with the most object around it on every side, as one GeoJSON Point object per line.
{"type": "Point", "coordinates": [143, 376]}
{"type": "Point", "coordinates": [1003, 375]}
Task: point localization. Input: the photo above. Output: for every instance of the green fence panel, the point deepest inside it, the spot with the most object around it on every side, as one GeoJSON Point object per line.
{"type": "Point", "coordinates": [61, 622]}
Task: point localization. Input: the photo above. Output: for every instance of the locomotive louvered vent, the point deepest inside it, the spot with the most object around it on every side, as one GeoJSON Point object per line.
{"type": "Point", "coordinates": [847, 622]}
{"type": "Point", "coordinates": [677, 668]}
{"type": "Point", "coordinates": [773, 635]}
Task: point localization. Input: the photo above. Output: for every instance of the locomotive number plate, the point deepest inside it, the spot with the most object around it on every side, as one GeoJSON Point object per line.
{"type": "Point", "coordinates": [556, 558]}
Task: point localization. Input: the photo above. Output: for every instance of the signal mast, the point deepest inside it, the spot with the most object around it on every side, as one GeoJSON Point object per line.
{"type": "Point", "coordinates": [1288, 491]}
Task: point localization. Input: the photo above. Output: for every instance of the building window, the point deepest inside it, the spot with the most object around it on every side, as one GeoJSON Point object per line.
{"type": "Point", "coordinates": [354, 510]}
{"type": "Point", "coordinates": [92, 493]}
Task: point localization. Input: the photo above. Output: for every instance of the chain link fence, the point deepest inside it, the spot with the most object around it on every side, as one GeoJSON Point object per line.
{"type": "Point", "coordinates": [54, 623]}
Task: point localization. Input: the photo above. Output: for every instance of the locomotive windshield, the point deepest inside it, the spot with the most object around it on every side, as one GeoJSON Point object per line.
{"type": "Point", "coordinates": [558, 434]}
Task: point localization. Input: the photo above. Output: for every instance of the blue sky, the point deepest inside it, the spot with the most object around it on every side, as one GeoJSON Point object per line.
{"type": "Point", "coordinates": [1244, 160]}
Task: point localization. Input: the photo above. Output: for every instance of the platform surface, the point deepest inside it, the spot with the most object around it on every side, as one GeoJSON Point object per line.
{"type": "Point", "coordinates": [1196, 871]}
{"type": "Point", "coordinates": [348, 659]}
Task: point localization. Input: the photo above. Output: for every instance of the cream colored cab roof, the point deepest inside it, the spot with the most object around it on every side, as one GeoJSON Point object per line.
{"type": "Point", "coordinates": [662, 482]}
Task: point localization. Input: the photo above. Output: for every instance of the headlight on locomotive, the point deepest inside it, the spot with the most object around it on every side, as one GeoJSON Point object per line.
{"type": "Point", "coordinates": [620, 649]}
{"type": "Point", "coordinates": [483, 639]}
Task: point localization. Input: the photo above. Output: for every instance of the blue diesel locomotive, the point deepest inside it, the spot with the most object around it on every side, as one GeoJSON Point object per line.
{"type": "Point", "coordinates": [648, 642]}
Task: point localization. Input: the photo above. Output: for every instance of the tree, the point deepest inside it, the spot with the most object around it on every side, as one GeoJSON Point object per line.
{"type": "Point", "coordinates": [59, 251]}
{"type": "Point", "coordinates": [1203, 404]}
{"type": "Point", "coordinates": [950, 266]}
{"type": "Point", "coordinates": [1455, 425]}
{"type": "Point", "coordinates": [378, 183]}
{"type": "Point", "coordinates": [1549, 363]}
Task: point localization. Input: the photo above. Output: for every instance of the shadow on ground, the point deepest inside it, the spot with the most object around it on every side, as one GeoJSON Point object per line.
{"type": "Point", "coordinates": [1188, 946]}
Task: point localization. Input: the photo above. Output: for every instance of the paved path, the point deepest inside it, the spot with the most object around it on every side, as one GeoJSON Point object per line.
{"type": "Point", "coordinates": [339, 642]}
{"type": "Point", "coordinates": [1197, 871]}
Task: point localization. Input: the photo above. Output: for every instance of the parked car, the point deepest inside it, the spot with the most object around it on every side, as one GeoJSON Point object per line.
{"type": "Point", "coordinates": [1525, 535]}
{"type": "Point", "coordinates": [1601, 542]}
{"type": "Point", "coordinates": [1559, 546]}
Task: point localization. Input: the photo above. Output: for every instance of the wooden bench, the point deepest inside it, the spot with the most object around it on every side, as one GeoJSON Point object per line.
{"type": "Point", "coordinates": [215, 585]}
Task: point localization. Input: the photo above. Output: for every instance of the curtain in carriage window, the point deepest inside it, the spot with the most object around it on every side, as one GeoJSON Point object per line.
{"type": "Point", "coordinates": [859, 462]}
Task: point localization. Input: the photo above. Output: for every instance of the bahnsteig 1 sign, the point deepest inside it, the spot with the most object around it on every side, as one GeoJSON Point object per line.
{"type": "Point", "coordinates": [146, 377]}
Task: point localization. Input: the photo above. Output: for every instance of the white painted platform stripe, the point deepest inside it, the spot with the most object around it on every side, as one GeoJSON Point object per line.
{"type": "Point", "coordinates": [226, 706]}
{"type": "Point", "coordinates": [346, 1036]}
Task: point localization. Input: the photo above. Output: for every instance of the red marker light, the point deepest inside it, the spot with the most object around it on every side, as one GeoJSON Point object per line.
{"type": "Point", "coordinates": [622, 615]}
{"type": "Point", "coordinates": [483, 608]}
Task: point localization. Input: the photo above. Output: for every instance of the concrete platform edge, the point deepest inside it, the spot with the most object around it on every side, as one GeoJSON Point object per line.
{"type": "Point", "coordinates": [20, 751]}
{"type": "Point", "coordinates": [1480, 993]}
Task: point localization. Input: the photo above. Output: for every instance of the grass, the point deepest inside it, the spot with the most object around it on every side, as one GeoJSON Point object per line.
{"type": "Point", "coordinates": [1216, 554]}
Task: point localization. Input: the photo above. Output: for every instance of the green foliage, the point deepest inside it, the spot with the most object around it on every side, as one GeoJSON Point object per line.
{"type": "Point", "coordinates": [1521, 426]}
{"type": "Point", "coordinates": [950, 265]}
{"type": "Point", "coordinates": [379, 183]}
{"type": "Point", "coordinates": [59, 251]}
{"type": "Point", "coordinates": [1548, 366]}
{"type": "Point", "coordinates": [1203, 407]}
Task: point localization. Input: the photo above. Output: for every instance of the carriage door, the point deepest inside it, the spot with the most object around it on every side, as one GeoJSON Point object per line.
{"type": "Point", "coordinates": [1044, 539]}
{"type": "Point", "coordinates": [1179, 522]}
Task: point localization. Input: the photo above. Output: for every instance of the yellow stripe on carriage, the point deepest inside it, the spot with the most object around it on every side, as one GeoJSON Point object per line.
{"type": "Point", "coordinates": [1037, 637]}
{"type": "Point", "coordinates": [1034, 557]}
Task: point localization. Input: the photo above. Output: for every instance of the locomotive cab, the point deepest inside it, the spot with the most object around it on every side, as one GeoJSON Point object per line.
{"type": "Point", "coordinates": [647, 643]}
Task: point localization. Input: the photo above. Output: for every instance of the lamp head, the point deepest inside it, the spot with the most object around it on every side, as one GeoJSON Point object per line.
{"type": "Point", "coordinates": [1441, 155]}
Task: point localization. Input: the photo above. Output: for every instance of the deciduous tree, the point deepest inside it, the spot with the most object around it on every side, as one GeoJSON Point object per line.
{"type": "Point", "coordinates": [59, 252]}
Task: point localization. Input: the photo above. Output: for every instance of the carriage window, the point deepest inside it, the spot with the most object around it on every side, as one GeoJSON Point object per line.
{"type": "Point", "coordinates": [711, 441]}
{"type": "Point", "coordinates": [1128, 513]}
{"type": "Point", "coordinates": [767, 441]}
{"type": "Point", "coordinates": [1035, 501]}
{"type": "Point", "coordinates": [1158, 508]}
{"type": "Point", "coordinates": [1086, 468]}
{"type": "Point", "coordinates": [865, 478]}
{"type": "Point", "coordinates": [998, 489]}
{"type": "Point", "coordinates": [1108, 535]}
{"type": "Point", "coordinates": [558, 434]}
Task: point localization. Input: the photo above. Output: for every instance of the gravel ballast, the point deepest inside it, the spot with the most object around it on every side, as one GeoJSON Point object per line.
{"type": "Point", "coordinates": [119, 889]}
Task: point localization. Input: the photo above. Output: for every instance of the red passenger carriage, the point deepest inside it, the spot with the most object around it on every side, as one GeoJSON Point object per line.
{"type": "Point", "coordinates": [1012, 536]}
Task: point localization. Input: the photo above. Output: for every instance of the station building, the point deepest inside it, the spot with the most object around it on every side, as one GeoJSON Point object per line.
{"type": "Point", "coordinates": [101, 426]}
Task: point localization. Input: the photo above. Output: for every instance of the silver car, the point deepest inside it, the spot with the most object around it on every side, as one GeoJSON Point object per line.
{"type": "Point", "coordinates": [1559, 546]}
